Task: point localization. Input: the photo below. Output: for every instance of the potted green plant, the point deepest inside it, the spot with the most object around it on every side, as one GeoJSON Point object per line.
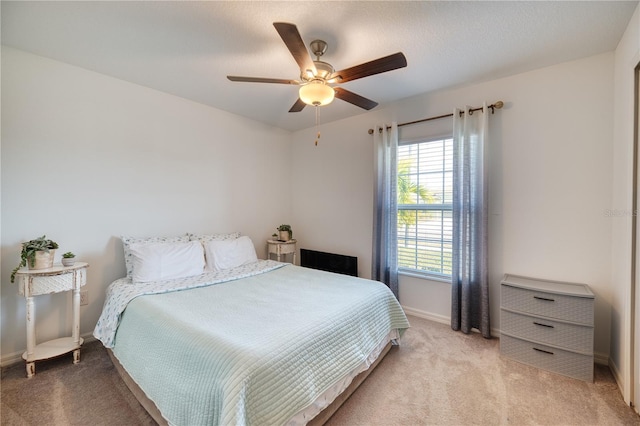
{"type": "Point", "coordinates": [274, 236]}
{"type": "Point", "coordinates": [285, 233]}
{"type": "Point", "coordinates": [68, 259]}
{"type": "Point", "coordinates": [36, 254]}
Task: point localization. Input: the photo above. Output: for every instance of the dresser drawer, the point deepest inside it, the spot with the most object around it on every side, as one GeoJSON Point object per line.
{"type": "Point", "coordinates": [570, 336]}
{"type": "Point", "coordinates": [551, 305]}
{"type": "Point", "coordinates": [567, 363]}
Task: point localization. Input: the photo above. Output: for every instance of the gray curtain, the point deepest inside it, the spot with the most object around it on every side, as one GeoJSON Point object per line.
{"type": "Point", "coordinates": [384, 265]}
{"type": "Point", "coordinates": [470, 282]}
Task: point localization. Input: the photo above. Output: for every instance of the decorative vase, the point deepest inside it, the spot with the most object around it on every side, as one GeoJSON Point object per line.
{"type": "Point", "coordinates": [42, 260]}
{"type": "Point", "coordinates": [68, 261]}
{"type": "Point", "coordinates": [283, 235]}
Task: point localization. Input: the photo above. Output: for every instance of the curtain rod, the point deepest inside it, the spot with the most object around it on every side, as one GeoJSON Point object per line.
{"type": "Point", "coordinates": [492, 107]}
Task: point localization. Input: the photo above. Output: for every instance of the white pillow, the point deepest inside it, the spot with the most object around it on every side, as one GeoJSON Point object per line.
{"type": "Point", "coordinates": [127, 241]}
{"type": "Point", "coordinates": [225, 254]}
{"type": "Point", "coordinates": [163, 261]}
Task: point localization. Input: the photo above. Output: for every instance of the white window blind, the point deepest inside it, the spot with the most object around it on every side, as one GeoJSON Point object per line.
{"type": "Point", "coordinates": [424, 206]}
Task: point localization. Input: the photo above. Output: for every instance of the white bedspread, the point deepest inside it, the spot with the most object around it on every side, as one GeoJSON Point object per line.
{"type": "Point", "coordinates": [122, 291]}
{"type": "Point", "coordinates": [250, 351]}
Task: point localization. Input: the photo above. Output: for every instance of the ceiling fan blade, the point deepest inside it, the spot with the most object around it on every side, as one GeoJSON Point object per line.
{"type": "Point", "coordinates": [354, 99]}
{"type": "Point", "coordinates": [261, 80]}
{"type": "Point", "coordinates": [298, 106]}
{"type": "Point", "coordinates": [291, 37]}
{"type": "Point", "coordinates": [377, 66]}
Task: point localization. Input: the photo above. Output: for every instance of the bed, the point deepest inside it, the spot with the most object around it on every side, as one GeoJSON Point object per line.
{"type": "Point", "coordinates": [255, 343]}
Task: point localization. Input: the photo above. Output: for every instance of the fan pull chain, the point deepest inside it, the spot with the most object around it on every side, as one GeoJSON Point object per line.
{"type": "Point", "coordinates": [317, 128]}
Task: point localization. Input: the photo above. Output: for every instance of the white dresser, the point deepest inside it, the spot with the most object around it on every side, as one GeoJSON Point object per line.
{"type": "Point", "coordinates": [548, 324]}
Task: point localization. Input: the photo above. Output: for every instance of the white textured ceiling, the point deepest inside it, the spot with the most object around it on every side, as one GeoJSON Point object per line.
{"type": "Point", "coordinates": [188, 48]}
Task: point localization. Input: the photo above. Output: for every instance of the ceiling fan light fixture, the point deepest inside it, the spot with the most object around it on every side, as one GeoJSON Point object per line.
{"type": "Point", "coordinates": [316, 93]}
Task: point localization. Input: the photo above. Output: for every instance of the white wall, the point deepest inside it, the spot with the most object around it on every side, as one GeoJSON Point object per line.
{"type": "Point", "coordinates": [627, 57]}
{"type": "Point", "coordinates": [87, 158]}
{"type": "Point", "coordinates": [145, 163]}
{"type": "Point", "coordinates": [550, 182]}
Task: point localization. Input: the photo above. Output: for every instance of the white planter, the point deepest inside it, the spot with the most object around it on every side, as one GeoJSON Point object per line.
{"type": "Point", "coordinates": [283, 235]}
{"type": "Point", "coordinates": [68, 261]}
{"type": "Point", "coordinates": [43, 260]}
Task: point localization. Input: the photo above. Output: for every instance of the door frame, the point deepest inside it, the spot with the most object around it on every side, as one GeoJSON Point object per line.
{"type": "Point", "coordinates": [634, 299]}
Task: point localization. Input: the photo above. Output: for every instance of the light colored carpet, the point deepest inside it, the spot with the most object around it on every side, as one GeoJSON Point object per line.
{"type": "Point", "coordinates": [436, 377]}
{"type": "Point", "coordinates": [61, 393]}
{"type": "Point", "coordinates": [441, 377]}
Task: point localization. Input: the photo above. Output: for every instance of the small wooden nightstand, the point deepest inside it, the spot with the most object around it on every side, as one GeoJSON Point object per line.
{"type": "Point", "coordinates": [34, 282]}
{"type": "Point", "coordinates": [281, 248]}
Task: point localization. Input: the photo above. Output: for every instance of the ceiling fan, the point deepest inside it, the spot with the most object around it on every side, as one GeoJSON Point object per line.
{"type": "Point", "coordinates": [318, 77]}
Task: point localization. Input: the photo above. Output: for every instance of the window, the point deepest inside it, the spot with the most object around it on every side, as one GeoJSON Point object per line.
{"type": "Point", "coordinates": [425, 173]}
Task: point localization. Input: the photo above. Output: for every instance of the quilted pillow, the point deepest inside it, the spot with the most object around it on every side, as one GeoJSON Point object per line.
{"type": "Point", "coordinates": [127, 241]}
{"type": "Point", "coordinates": [164, 261]}
{"type": "Point", "coordinates": [226, 254]}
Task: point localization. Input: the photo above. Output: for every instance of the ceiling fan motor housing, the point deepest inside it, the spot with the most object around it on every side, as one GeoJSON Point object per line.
{"type": "Point", "coordinates": [323, 69]}
{"type": "Point", "coordinates": [323, 72]}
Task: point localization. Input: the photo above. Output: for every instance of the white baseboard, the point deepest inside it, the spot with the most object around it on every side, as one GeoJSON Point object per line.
{"type": "Point", "coordinates": [11, 359]}
{"type": "Point", "coordinates": [16, 357]}
{"type": "Point", "coordinates": [439, 318]}
{"type": "Point", "coordinates": [600, 358]}
{"type": "Point", "coordinates": [616, 375]}
{"type": "Point", "coordinates": [426, 315]}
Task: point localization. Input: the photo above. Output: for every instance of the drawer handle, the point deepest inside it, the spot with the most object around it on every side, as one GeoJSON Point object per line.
{"type": "Point", "coordinates": [544, 298]}
{"type": "Point", "coordinates": [543, 325]}
{"type": "Point", "coordinates": [543, 351]}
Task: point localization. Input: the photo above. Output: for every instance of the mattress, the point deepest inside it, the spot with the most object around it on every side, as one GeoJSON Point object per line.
{"type": "Point", "coordinates": [258, 347]}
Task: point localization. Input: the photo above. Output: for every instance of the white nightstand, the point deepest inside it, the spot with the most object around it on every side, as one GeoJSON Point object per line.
{"type": "Point", "coordinates": [281, 248]}
{"type": "Point", "coordinates": [34, 282]}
